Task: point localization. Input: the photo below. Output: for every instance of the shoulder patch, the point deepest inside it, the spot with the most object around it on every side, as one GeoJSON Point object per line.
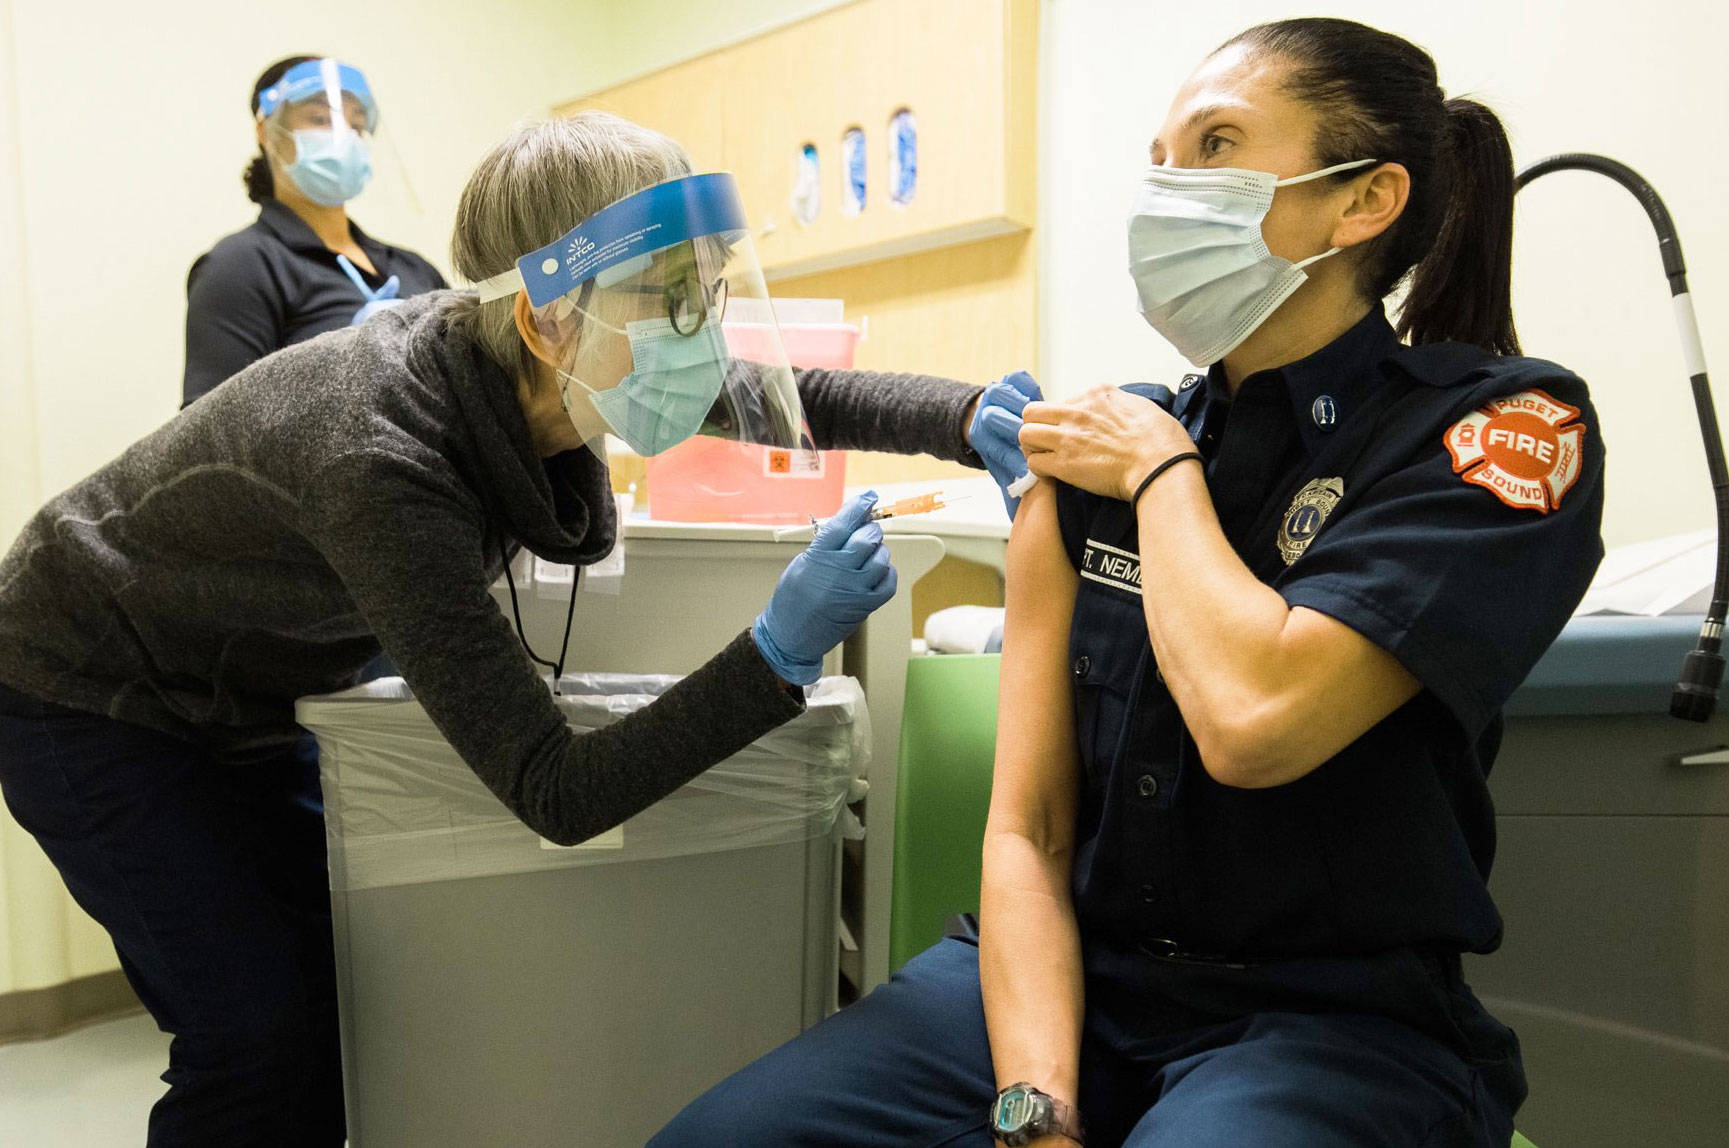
{"type": "Point", "coordinates": [1525, 449]}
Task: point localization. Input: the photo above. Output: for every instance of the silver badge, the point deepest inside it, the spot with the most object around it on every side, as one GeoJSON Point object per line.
{"type": "Point", "coordinates": [1307, 512]}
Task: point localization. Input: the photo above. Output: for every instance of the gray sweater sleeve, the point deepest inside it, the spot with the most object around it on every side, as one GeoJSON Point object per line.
{"type": "Point", "coordinates": [899, 413]}
{"type": "Point", "coordinates": [409, 548]}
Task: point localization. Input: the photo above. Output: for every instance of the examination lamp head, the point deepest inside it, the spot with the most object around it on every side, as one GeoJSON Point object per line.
{"type": "Point", "coordinates": [1695, 696]}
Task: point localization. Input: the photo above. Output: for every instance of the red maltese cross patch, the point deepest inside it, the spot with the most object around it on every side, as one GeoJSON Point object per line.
{"type": "Point", "coordinates": [1526, 449]}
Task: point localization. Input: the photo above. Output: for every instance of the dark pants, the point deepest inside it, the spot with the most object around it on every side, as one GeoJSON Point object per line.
{"type": "Point", "coordinates": [211, 880]}
{"type": "Point", "coordinates": [909, 1067]}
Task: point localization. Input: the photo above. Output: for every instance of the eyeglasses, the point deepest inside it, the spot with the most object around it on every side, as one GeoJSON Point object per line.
{"type": "Point", "coordinates": [689, 302]}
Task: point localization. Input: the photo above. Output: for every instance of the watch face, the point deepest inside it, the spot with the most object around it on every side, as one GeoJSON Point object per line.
{"type": "Point", "coordinates": [1014, 1109]}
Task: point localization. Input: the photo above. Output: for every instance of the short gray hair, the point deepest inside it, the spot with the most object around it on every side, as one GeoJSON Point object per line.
{"type": "Point", "coordinates": [542, 180]}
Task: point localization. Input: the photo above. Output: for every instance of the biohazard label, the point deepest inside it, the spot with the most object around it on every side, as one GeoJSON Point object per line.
{"type": "Point", "coordinates": [778, 463]}
{"type": "Point", "coordinates": [1306, 514]}
{"type": "Point", "coordinates": [1525, 449]}
{"type": "Point", "coordinates": [1113, 567]}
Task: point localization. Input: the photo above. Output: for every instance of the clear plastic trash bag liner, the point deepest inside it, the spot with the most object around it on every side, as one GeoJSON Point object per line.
{"type": "Point", "coordinates": [402, 808]}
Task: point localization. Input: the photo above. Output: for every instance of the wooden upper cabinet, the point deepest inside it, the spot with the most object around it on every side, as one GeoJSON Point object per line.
{"type": "Point", "coordinates": [965, 69]}
{"type": "Point", "coordinates": [684, 102]}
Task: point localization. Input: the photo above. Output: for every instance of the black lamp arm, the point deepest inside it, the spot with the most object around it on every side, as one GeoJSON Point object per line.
{"type": "Point", "coordinates": [1695, 694]}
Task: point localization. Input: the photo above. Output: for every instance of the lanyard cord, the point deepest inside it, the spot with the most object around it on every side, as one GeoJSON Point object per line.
{"type": "Point", "coordinates": [557, 667]}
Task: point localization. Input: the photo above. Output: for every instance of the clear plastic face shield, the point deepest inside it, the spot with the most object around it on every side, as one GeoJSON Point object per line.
{"type": "Point", "coordinates": [629, 308]}
{"type": "Point", "coordinates": [319, 123]}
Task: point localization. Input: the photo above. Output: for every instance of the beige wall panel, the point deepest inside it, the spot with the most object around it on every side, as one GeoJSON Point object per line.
{"type": "Point", "coordinates": [966, 69]}
{"type": "Point", "coordinates": [857, 66]}
{"type": "Point", "coordinates": [683, 102]}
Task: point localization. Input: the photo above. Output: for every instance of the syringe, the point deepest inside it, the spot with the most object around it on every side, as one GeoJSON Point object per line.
{"type": "Point", "coordinates": [900, 508]}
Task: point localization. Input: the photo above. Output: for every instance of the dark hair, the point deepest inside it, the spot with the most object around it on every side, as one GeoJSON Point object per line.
{"type": "Point", "coordinates": [1380, 99]}
{"type": "Point", "coordinates": [260, 184]}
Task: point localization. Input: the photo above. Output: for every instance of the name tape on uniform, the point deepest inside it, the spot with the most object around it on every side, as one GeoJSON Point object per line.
{"type": "Point", "coordinates": [1525, 449]}
{"type": "Point", "coordinates": [1111, 566]}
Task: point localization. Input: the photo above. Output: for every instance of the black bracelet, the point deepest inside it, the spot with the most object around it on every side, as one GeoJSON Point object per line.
{"type": "Point", "coordinates": [1160, 469]}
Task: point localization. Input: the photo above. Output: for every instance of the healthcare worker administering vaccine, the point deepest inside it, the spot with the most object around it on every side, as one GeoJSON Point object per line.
{"type": "Point", "coordinates": [359, 492]}
{"type": "Point", "coordinates": [1260, 628]}
{"type": "Point", "coordinates": [303, 267]}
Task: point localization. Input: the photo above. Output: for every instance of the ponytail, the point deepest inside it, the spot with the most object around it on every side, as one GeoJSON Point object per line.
{"type": "Point", "coordinates": [1462, 288]}
{"type": "Point", "coordinates": [260, 182]}
{"type": "Point", "coordinates": [1379, 97]}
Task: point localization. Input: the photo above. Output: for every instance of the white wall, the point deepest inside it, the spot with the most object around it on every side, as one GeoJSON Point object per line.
{"type": "Point", "coordinates": [1644, 84]}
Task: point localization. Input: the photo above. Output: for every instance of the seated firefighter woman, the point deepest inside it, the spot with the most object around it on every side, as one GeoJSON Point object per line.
{"type": "Point", "coordinates": [1260, 629]}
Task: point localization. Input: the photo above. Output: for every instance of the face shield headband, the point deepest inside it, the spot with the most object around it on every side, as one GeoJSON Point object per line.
{"type": "Point", "coordinates": [328, 77]}
{"type": "Point", "coordinates": [619, 238]}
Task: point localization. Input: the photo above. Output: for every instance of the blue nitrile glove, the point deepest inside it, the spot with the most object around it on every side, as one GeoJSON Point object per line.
{"type": "Point", "coordinates": [825, 593]}
{"type": "Point", "coordinates": [996, 429]}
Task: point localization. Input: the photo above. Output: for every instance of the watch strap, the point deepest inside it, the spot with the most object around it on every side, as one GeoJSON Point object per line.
{"type": "Point", "coordinates": [1066, 1121]}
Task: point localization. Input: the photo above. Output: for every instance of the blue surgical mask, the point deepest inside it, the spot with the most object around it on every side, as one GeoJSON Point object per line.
{"type": "Point", "coordinates": [673, 386]}
{"type": "Point", "coordinates": [330, 167]}
{"type": "Point", "coordinates": [1202, 268]}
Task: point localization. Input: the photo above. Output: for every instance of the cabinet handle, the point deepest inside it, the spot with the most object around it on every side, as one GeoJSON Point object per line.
{"type": "Point", "coordinates": [1718, 756]}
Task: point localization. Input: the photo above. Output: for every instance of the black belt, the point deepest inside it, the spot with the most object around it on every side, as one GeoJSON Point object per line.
{"type": "Point", "coordinates": [1165, 949]}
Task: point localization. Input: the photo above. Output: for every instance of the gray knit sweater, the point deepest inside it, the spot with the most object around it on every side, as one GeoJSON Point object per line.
{"type": "Point", "coordinates": [351, 493]}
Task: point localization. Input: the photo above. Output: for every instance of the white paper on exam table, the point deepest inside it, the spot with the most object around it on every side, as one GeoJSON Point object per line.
{"type": "Point", "coordinates": [1672, 575]}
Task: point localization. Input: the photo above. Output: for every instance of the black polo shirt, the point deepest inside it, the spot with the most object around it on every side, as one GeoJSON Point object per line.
{"type": "Point", "coordinates": [273, 284]}
{"type": "Point", "coordinates": [1439, 500]}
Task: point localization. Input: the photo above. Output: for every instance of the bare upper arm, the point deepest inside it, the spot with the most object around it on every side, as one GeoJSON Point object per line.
{"type": "Point", "coordinates": [1033, 791]}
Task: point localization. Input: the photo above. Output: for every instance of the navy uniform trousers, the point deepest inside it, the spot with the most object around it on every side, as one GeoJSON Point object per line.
{"type": "Point", "coordinates": [909, 1066]}
{"type": "Point", "coordinates": [211, 880]}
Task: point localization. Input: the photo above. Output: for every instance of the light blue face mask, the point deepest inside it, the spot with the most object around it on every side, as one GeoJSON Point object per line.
{"type": "Point", "coordinates": [671, 390]}
{"type": "Point", "coordinates": [330, 167]}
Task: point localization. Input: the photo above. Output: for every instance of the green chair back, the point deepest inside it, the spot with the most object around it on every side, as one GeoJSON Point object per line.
{"type": "Point", "coordinates": [948, 744]}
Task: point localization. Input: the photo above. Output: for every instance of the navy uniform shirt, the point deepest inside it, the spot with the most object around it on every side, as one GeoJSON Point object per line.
{"type": "Point", "coordinates": [273, 284]}
{"type": "Point", "coordinates": [1439, 500]}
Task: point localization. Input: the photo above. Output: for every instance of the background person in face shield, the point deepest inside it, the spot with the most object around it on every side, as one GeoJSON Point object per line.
{"type": "Point", "coordinates": [303, 267]}
{"type": "Point", "coordinates": [347, 495]}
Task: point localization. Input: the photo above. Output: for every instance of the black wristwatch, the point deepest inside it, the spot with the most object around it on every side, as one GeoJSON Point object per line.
{"type": "Point", "coordinates": [1021, 1114]}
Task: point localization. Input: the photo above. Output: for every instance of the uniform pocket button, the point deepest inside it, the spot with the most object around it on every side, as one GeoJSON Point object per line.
{"type": "Point", "coordinates": [1149, 894]}
{"type": "Point", "coordinates": [1148, 785]}
{"type": "Point", "coordinates": [1082, 665]}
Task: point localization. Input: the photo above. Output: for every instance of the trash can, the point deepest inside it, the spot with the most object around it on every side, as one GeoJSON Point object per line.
{"type": "Point", "coordinates": [498, 989]}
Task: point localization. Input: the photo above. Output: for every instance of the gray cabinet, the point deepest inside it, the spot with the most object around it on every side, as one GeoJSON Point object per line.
{"type": "Point", "coordinates": [1612, 872]}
